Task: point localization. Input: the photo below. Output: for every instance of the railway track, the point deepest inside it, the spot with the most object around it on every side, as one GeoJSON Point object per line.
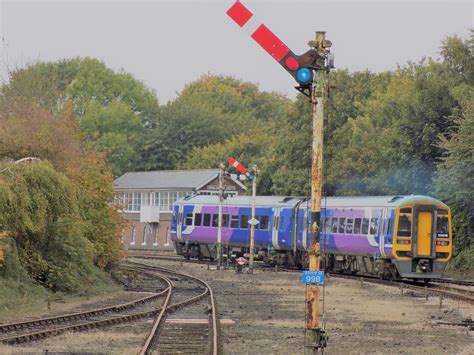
{"type": "Point", "coordinates": [189, 296]}
{"type": "Point", "coordinates": [194, 327]}
{"type": "Point", "coordinates": [427, 290]}
{"type": "Point", "coordinates": [445, 291]}
{"type": "Point", "coordinates": [454, 281]}
{"type": "Point", "coordinates": [21, 332]}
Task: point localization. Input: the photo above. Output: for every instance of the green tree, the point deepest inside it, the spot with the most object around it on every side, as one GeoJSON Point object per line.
{"type": "Point", "coordinates": [208, 111]}
{"type": "Point", "coordinates": [455, 182]}
{"type": "Point", "coordinates": [114, 109]}
{"type": "Point", "coordinates": [40, 212]}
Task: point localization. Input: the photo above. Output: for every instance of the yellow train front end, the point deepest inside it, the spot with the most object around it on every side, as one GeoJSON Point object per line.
{"type": "Point", "coordinates": [422, 243]}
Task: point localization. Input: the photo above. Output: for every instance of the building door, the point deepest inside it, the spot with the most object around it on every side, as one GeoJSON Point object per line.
{"type": "Point", "coordinates": [425, 223]}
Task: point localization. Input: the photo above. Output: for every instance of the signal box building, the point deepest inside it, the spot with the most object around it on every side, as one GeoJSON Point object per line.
{"type": "Point", "coordinates": [147, 200]}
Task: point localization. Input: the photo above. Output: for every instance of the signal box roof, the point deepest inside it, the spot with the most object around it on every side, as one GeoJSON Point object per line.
{"type": "Point", "coordinates": [168, 179]}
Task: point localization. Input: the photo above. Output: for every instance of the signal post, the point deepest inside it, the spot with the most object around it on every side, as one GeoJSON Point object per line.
{"type": "Point", "coordinates": [253, 221]}
{"type": "Point", "coordinates": [310, 70]}
{"type": "Point", "coordinates": [219, 221]}
{"type": "Point", "coordinates": [315, 336]}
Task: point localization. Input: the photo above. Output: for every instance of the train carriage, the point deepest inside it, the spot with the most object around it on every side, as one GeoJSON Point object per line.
{"type": "Point", "coordinates": [391, 236]}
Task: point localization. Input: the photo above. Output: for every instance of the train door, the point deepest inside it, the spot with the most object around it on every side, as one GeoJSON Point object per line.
{"type": "Point", "coordinates": [276, 223]}
{"type": "Point", "coordinates": [179, 223]}
{"type": "Point", "coordinates": [285, 228]}
{"type": "Point", "coordinates": [306, 224]}
{"type": "Point", "coordinates": [424, 221]}
{"type": "Point", "coordinates": [383, 226]}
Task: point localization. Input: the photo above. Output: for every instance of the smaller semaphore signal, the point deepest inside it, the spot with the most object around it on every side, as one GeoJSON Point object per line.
{"type": "Point", "coordinates": [240, 168]}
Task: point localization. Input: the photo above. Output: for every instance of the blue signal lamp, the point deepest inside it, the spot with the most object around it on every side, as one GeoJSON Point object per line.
{"type": "Point", "coordinates": [304, 76]}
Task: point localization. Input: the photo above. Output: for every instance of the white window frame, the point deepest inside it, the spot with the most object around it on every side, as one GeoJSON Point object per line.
{"type": "Point", "coordinates": [145, 233]}
{"type": "Point", "coordinates": [155, 235]}
{"type": "Point", "coordinates": [132, 201]}
{"type": "Point", "coordinates": [134, 234]}
{"type": "Point", "coordinates": [167, 240]}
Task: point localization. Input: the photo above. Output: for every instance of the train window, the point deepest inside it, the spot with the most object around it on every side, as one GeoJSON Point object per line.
{"type": "Point", "coordinates": [234, 221]}
{"type": "Point", "coordinates": [282, 220]}
{"type": "Point", "coordinates": [244, 222]}
{"type": "Point", "coordinates": [341, 225]}
{"type": "Point", "coordinates": [334, 225]}
{"type": "Point", "coordinates": [404, 225]}
{"type": "Point", "coordinates": [327, 225]}
{"type": "Point", "coordinates": [264, 222]}
{"type": "Point", "coordinates": [373, 226]}
{"type": "Point", "coordinates": [225, 220]}
{"type": "Point", "coordinates": [357, 222]}
{"type": "Point", "coordinates": [442, 227]}
{"type": "Point", "coordinates": [349, 225]}
{"type": "Point", "coordinates": [405, 210]}
{"type": "Point", "coordinates": [365, 226]}
{"type": "Point", "coordinates": [189, 219]}
{"type": "Point", "coordinates": [442, 212]}
{"type": "Point", "coordinates": [389, 225]}
{"type": "Point", "coordinates": [215, 220]}
{"type": "Point", "coordinates": [207, 220]}
{"type": "Point", "coordinates": [197, 219]}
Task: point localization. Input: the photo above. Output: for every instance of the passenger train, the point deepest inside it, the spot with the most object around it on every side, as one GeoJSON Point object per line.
{"type": "Point", "coordinates": [389, 236]}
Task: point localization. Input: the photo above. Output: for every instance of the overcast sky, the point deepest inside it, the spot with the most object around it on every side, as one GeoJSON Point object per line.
{"type": "Point", "coordinates": [167, 44]}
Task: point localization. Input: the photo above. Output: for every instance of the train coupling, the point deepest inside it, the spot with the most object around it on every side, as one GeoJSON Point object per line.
{"type": "Point", "coordinates": [423, 266]}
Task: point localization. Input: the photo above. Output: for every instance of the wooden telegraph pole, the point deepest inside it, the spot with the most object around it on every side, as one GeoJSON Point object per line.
{"type": "Point", "coordinates": [315, 336]}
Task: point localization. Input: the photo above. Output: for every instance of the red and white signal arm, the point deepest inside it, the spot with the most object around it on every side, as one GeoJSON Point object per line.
{"type": "Point", "coordinates": [240, 168]}
{"type": "Point", "coordinates": [274, 46]}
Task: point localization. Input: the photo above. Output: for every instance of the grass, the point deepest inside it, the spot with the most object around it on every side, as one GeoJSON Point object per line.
{"type": "Point", "coordinates": [20, 299]}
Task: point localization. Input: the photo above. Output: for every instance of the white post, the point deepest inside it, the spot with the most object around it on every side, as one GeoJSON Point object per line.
{"type": "Point", "coordinates": [253, 222]}
{"type": "Point", "coordinates": [219, 223]}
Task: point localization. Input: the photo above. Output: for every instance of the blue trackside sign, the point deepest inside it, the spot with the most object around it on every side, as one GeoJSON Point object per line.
{"type": "Point", "coordinates": [313, 277]}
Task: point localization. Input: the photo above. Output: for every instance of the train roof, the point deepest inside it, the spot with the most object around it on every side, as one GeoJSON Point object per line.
{"type": "Point", "coordinates": [375, 201]}
{"type": "Point", "coordinates": [270, 201]}
{"type": "Point", "coordinates": [292, 201]}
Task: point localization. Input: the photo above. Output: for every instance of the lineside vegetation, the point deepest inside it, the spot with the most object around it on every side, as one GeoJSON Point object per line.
{"type": "Point", "coordinates": [406, 131]}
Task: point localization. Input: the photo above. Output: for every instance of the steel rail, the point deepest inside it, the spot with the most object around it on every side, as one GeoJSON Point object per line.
{"type": "Point", "coordinates": [454, 281]}
{"type": "Point", "coordinates": [208, 290]}
{"type": "Point", "coordinates": [146, 349]}
{"type": "Point", "coordinates": [408, 285]}
{"type": "Point", "coordinates": [7, 328]}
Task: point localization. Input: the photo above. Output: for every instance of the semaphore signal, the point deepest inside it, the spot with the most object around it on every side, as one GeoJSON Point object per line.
{"type": "Point", "coordinates": [240, 168]}
{"type": "Point", "coordinates": [310, 70]}
{"type": "Point", "coordinates": [300, 67]}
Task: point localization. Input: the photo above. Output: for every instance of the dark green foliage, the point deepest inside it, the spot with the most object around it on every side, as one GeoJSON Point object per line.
{"type": "Point", "coordinates": [455, 179]}
{"type": "Point", "coordinates": [40, 213]}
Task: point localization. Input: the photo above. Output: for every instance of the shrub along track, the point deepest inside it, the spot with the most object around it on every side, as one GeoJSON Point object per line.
{"type": "Point", "coordinates": [21, 332]}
